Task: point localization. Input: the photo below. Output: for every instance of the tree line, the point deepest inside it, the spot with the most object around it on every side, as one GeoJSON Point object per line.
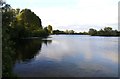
{"type": "Point", "coordinates": [107, 31]}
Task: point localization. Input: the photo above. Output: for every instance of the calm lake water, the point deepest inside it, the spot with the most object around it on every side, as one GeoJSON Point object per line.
{"type": "Point", "coordinates": [67, 56]}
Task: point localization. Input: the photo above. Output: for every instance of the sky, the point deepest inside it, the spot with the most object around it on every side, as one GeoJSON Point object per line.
{"type": "Point", "coordinates": [77, 15]}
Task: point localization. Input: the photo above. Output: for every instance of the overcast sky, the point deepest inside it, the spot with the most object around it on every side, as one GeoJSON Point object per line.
{"type": "Point", "coordinates": [79, 15]}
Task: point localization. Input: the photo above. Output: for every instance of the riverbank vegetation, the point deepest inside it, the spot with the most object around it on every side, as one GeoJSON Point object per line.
{"type": "Point", "coordinates": [17, 24]}
{"type": "Point", "coordinates": [25, 23]}
{"type": "Point", "coordinates": [107, 31]}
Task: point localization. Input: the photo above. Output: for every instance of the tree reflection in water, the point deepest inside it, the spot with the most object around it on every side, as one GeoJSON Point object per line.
{"type": "Point", "coordinates": [27, 49]}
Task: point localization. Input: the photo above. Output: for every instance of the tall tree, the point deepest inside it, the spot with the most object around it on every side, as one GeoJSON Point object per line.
{"type": "Point", "coordinates": [29, 19]}
{"type": "Point", "coordinates": [7, 44]}
{"type": "Point", "coordinates": [50, 29]}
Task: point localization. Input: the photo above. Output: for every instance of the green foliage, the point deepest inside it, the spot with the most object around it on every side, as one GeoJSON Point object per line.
{"type": "Point", "coordinates": [16, 25]}
{"type": "Point", "coordinates": [83, 33]}
{"type": "Point", "coordinates": [50, 29]}
{"type": "Point", "coordinates": [39, 33]}
{"type": "Point", "coordinates": [107, 31]}
{"type": "Point", "coordinates": [58, 32]}
{"type": "Point", "coordinates": [27, 24]}
{"type": "Point", "coordinates": [7, 43]}
{"type": "Point", "coordinates": [71, 31]}
{"type": "Point", "coordinates": [7, 54]}
{"type": "Point", "coordinates": [46, 29]}
{"type": "Point", "coordinates": [92, 31]}
{"type": "Point", "coordinates": [29, 19]}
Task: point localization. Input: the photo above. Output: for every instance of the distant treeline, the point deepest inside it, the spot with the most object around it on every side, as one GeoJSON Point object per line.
{"type": "Point", "coordinates": [68, 32]}
{"type": "Point", "coordinates": [107, 31]}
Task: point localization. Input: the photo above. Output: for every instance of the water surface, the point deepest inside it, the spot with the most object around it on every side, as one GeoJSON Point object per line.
{"type": "Point", "coordinates": [67, 56]}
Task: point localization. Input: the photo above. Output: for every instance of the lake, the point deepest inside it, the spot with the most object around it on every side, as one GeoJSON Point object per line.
{"type": "Point", "coordinates": [67, 56]}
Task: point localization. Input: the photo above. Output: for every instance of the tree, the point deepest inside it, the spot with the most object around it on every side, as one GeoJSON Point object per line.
{"type": "Point", "coordinates": [50, 29]}
{"type": "Point", "coordinates": [58, 32]}
{"type": "Point", "coordinates": [92, 31]}
{"type": "Point", "coordinates": [27, 24]}
{"type": "Point", "coordinates": [45, 28]}
{"type": "Point", "coordinates": [67, 31]}
{"type": "Point", "coordinates": [108, 29]}
{"type": "Point", "coordinates": [71, 31]}
{"type": "Point", "coordinates": [7, 43]}
{"type": "Point", "coordinates": [29, 19]}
